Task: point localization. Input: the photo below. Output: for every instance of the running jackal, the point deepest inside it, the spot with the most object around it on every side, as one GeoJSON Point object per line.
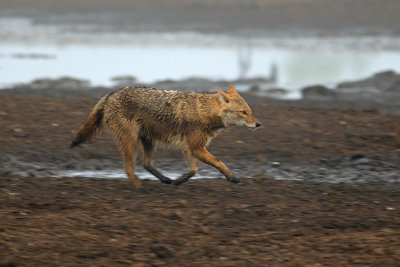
{"type": "Point", "coordinates": [148, 116]}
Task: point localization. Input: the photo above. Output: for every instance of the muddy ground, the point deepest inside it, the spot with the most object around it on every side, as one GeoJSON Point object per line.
{"type": "Point", "coordinates": [261, 221]}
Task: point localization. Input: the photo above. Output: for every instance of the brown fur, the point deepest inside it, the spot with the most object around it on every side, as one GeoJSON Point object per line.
{"type": "Point", "coordinates": [149, 116]}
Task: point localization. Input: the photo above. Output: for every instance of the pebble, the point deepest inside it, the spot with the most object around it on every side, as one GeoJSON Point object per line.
{"type": "Point", "coordinates": [276, 164]}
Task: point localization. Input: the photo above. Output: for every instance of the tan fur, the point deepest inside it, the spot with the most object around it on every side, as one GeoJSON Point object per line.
{"type": "Point", "coordinates": [148, 116]}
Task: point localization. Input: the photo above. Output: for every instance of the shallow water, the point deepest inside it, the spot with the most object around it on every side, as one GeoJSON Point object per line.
{"type": "Point", "coordinates": [30, 51]}
{"type": "Point", "coordinates": [362, 171]}
{"type": "Point", "coordinates": [117, 174]}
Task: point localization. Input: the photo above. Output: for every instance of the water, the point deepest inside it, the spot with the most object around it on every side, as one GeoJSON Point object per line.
{"type": "Point", "coordinates": [118, 174]}
{"type": "Point", "coordinates": [29, 52]}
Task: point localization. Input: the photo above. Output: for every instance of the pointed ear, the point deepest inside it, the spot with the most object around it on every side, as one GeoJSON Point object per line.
{"type": "Point", "coordinates": [223, 97]}
{"type": "Point", "coordinates": [232, 90]}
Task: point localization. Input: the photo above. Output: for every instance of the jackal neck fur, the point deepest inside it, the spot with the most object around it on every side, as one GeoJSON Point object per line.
{"type": "Point", "coordinates": [172, 117]}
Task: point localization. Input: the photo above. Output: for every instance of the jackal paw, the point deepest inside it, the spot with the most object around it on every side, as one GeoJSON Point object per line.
{"type": "Point", "coordinates": [234, 180]}
{"type": "Point", "coordinates": [136, 183]}
{"type": "Point", "coordinates": [166, 180]}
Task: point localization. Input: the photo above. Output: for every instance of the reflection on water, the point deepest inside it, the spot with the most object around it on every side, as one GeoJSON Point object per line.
{"type": "Point", "coordinates": [152, 57]}
{"type": "Point", "coordinates": [117, 174]}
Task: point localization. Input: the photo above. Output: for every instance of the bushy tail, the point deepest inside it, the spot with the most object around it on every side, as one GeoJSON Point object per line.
{"type": "Point", "coordinates": [92, 125]}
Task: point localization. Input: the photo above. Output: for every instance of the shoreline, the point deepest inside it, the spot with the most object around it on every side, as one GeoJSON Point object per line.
{"type": "Point", "coordinates": [301, 140]}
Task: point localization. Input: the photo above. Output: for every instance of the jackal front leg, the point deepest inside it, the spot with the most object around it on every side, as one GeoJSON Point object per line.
{"type": "Point", "coordinates": [193, 169]}
{"type": "Point", "coordinates": [203, 155]}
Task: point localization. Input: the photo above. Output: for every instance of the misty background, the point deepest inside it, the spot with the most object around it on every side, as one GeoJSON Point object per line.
{"type": "Point", "coordinates": [267, 46]}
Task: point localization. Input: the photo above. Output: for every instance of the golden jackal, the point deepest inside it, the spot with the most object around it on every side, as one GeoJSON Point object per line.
{"type": "Point", "coordinates": [149, 116]}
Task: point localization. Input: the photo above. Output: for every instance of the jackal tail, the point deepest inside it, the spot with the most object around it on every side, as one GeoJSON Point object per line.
{"type": "Point", "coordinates": [92, 126]}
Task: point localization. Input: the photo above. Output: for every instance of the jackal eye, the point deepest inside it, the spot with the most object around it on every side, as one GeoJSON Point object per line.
{"type": "Point", "coordinates": [243, 112]}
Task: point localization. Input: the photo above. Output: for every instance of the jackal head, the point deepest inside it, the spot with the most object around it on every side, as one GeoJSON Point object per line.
{"type": "Point", "coordinates": [235, 110]}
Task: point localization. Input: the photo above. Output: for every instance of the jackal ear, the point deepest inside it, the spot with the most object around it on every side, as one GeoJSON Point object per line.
{"type": "Point", "coordinates": [232, 90]}
{"type": "Point", "coordinates": [223, 97]}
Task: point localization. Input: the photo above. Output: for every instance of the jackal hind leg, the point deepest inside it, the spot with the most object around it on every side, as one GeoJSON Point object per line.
{"type": "Point", "coordinates": [127, 143]}
{"type": "Point", "coordinates": [148, 163]}
{"type": "Point", "coordinates": [203, 155]}
{"type": "Point", "coordinates": [193, 169]}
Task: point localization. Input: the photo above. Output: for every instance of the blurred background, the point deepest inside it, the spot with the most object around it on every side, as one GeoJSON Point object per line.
{"type": "Point", "coordinates": [271, 47]}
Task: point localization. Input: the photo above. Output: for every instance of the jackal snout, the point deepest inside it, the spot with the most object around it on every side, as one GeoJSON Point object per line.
{"type": "Point", "coordinates": [254, 123]}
